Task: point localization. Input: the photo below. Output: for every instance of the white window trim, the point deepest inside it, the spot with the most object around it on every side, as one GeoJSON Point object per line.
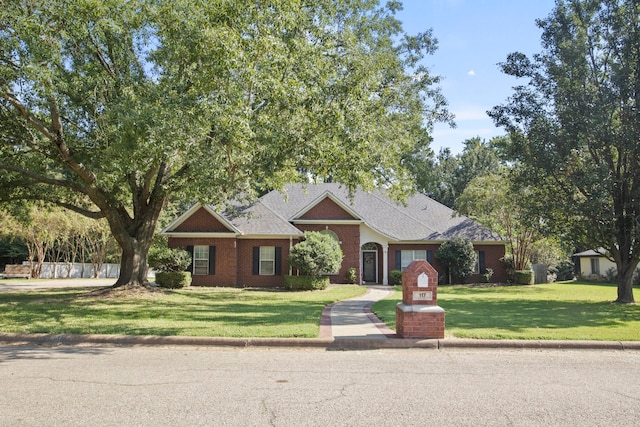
{"type": "Point", "coordinates": [272, 260]}
{"type": "Point", "coordinates": [204, 261]}
{"type": "Point", "coordinates": [413, 256]}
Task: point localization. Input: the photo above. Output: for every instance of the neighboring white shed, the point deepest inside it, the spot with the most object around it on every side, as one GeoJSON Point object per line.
{"type": "Point", "coordinates": [593, 263]}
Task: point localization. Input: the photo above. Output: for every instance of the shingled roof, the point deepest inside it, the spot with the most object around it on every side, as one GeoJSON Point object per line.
{"type": "Point", "coordinates": [420, 219]}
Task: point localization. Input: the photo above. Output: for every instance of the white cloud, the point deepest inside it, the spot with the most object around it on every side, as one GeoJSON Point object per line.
{"type": "Point", "coordinates": [471, 73]}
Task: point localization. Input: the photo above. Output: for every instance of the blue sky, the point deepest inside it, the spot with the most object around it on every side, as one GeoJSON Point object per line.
{"type": "Point", "coordinates": [474, 36]}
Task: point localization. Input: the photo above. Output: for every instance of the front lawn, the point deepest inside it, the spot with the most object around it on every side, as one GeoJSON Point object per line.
{"type": "Point", "coordinates": [558, 311]}
{"type": "Point", "coordinates": [215, 312]}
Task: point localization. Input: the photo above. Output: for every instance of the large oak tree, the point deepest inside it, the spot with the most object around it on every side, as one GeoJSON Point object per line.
{"type": "Point", "coordinates": [575, 127]}
{"type": "Point", "coordinates": [114, 108]}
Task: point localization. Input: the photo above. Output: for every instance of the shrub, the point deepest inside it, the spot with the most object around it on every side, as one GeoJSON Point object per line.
{"type": "Point", "coordinates": [395, 278]}
{"type": "Point", "coordinates": [524, 277]}
{"type": "Point", "coordinates": [459, 257]}
{"type": "Point", "coordinates": [173, 279]}
{"type": "Point", "coordinates": [318, 254]}
{"type": "Point", "coordinates": [508, 264]}
{"type": "Point", "coordinates": [164, 259]}
{"type": "Point", "coordinates": [305, 283]}
{"type": "Point", "coordinates": [611, 275]}
{"type": "Point", "coordinates": [565, 270]}
{"type": "Point", "coordinates": [486, 276]}
{"type": "Point", "coordinates": [351, 275]}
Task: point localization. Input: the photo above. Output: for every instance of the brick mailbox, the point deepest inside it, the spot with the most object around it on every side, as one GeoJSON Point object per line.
{"type": "Point", "coordinates": [419, 315]}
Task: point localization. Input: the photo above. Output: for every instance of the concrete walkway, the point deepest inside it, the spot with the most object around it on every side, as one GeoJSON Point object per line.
{"type": "Point", "coordinates": [353, 318]}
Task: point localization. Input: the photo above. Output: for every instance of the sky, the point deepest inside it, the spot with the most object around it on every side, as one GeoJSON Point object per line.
{"type": "Point", "coordinates": [473, 37]}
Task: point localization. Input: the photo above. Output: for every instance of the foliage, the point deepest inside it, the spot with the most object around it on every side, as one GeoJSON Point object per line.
{"type": "Point", "coordinates": [351, 275]}
{"type": "Point", "coordinates": [173, 279]}
{"type": "Point", "coordinates": [491, 200]}
{"type": "Point", "coordinates": [12, 250]}
{"type": "Point", "coordinates": [575, 128]}
{"type": "Point", "coordinates": [395, 278]}
{"type": "Point", "coordinates": [565, 270]}
{"type": "Point", "coordinates": [108, 108]}
{"type": "Point", "coordinates": [487, 275]}
{"type": "Point", "coordinates": [164, 259]}
{"type": "Point", "coordinates": [611, 275]}
{"type": "Point", "coordinates": [306, 283]}
{"type": "Point", "coordinates": [523, 277]}
{"type": "Point", "coordinates": [547, 251]}
{"type": "Point", "coordinates": [316, 255]}
{"type": "Point", "coordinates": [458, 257]}
{"type": "Point", "coordinates": [508, 264]}
{"type": "Point", "coordinates": [59, 236]}
{"type": "Point", "coordinates": [446, 178]}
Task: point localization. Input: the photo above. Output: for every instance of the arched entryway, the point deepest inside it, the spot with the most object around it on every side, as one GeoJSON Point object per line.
{"type": "Point", "coordinates": [370, 262]}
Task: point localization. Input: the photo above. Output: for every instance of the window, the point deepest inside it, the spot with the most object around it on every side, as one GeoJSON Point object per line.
{"type": "Point", "coordinates": [407, 256]}
{"type": "Point", "coordinates": [201, 260]}
{"type": "Point", "coordinates": [480, 267]}
{"type": "Point", "coordinates": [267, 260]}
{"type": "Point", "coordinates": [595, 266]}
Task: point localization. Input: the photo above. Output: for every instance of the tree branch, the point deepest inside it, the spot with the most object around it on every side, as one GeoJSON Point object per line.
{"type": "Point", "coordinates": [43, 179]}
{"type": "Point", "coordinates": [82, 211]}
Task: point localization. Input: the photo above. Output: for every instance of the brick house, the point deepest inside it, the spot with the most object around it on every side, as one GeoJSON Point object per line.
{"type": "Point", "coordinates": [249, 245]}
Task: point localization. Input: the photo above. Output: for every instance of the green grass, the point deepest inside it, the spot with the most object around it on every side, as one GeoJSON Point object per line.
{"type": "Point", "coordinates": [220, 312]}
{"type": "Point", "coordinates": [559, 311]}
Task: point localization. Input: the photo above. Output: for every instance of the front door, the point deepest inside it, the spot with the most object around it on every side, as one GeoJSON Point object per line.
{"type": "Point", "coordinates": [369, 269]}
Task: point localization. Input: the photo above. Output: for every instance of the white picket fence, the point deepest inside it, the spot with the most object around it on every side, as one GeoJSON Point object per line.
{"type": "Point", "coordinates": [78, 270]}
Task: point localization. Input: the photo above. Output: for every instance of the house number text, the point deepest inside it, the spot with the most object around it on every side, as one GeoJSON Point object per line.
{"type": "Point", "coordinates": [422, 295]}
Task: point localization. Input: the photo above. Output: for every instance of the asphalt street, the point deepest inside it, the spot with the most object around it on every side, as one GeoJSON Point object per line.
{"type": "Point", "coordinates": [212, 386]}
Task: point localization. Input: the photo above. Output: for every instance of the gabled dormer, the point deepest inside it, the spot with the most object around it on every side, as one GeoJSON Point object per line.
{"type": "Point", "coordinates": [200, 221]}
{"type": "Point", "coordinates": [326, 208]}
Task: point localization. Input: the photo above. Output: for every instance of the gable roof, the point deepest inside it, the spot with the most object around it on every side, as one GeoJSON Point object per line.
{"type": "Point", "coordinates": [419, 219]}
{"type": "Point", "coordinates": [599, 252]}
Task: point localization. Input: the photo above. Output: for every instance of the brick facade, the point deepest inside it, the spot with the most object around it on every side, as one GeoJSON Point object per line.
{"type": "Point", "coordinates": [202, 221]}
{"type": "Point", "coordinates": [493, 256]}
{"type": "Point", "coordinates": [234, 261]}
{"type": "Point", "coordinates": [225, 259]}
{"type": "Point", "coordinates": [327, 209]}
{"type": "Point", "coordinates": [245, 263]}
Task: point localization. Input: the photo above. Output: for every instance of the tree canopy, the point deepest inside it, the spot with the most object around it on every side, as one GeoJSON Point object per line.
{"type": "Point", "coordinates": [114, 108]}
{"type": "Point", "coordinates": [445, 177]}
{"type": "Point", "coordinates": [575, 126]}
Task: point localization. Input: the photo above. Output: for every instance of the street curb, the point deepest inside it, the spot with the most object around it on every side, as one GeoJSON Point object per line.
{"type": "Point", "coordinates": [326, 343]}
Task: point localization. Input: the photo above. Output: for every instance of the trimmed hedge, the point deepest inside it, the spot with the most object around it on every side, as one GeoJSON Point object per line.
{"type": "Point", "coordinates": [396, 278]}
{"type": "Point", "coordinates": [173, 279]}
{"type": "Point", "coordinates": [524, 277]}
{"type": "Point", "coordinates": [305, 283]}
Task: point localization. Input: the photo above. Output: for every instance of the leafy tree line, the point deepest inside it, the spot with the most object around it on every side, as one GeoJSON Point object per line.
{"type": "Point", "coordinates": [115, 109]}
{"type": "Point", "coordinates": [478, 183]}
{"type": "Point", "coordinates": [60, 237]}
{"type": "Point", "coordinates": [444, 177]}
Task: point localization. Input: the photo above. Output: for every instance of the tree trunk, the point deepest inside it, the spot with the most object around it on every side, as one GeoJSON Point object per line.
{"type": "Point", "coordinates": [625, 282]}
{"type": "Point", "coordinates": [133, 264]}
{"type": "Point", "coordinates": [135, 236]}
